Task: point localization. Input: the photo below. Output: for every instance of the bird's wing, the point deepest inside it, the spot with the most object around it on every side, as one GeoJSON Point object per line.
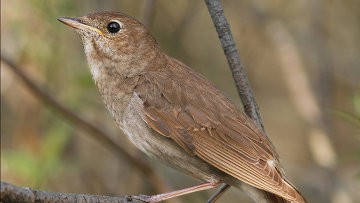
{"type": "Point", "coordinates": [206, 124]}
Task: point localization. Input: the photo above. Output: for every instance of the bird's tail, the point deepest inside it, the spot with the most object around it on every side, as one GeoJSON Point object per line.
{"type": "Point", "coordinates": [259, 195]}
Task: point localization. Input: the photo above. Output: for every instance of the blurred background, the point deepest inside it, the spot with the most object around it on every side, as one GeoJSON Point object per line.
{"type": "Point", "coordinates": [302, 59]}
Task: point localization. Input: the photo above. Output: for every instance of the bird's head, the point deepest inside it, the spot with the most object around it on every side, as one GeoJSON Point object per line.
{"type": "Point", "coordinates": [114, 43]}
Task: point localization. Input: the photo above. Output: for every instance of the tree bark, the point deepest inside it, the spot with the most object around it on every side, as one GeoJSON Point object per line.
{"type": "Point", "coordinates": [11, 193]}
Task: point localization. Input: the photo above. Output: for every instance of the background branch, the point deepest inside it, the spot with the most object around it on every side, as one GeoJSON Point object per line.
{"type": "Point", "coordinates": [308, 107]}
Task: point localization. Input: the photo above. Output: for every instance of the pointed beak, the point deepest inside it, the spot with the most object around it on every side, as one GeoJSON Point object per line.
{"type": "Point", "coordinates": [78, 24]}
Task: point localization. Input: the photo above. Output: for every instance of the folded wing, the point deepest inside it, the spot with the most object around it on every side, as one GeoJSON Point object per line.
{"type": "Point", "coordinates": [206, 124]}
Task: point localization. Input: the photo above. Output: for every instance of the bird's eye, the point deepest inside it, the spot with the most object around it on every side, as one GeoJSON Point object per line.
{"type": "Point", "coordinates": [113, 27]}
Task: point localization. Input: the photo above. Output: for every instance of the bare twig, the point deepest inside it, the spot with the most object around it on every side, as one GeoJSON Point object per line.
{"type": "Point", "coordinates": [14, 194]}
{"type": "Point", "coordinates": [241, 81]}
{"type": "Point", "coordinates": [243, 87]}
{"type": "Point", "coordinates": [93, 131]}
{"type": "Point", "coordinates": [217, 194]}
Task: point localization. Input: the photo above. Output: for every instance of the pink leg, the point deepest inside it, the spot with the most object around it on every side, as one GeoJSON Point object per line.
{"type": "Point", "coordinates": [168, 195]}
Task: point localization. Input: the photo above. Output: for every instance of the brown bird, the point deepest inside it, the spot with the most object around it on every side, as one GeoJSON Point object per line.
{"type": "Point", "coordinates": [174, 114]}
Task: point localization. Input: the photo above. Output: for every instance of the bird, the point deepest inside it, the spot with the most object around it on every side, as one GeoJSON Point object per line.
{"type": "Point", "coordinates": [174, 114]}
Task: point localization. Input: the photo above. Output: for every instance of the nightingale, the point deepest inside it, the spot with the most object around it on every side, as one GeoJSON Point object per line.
{"type": "Point", "coordinates": [174, 114]}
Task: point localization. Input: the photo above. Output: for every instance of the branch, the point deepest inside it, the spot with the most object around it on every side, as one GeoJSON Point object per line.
{"type": "Point", "coordinates": [243, 87]}
{"type": "Point", "coordinates": [14, 194]}
{"type": "Point", "coordinates": [93, 131]}
{"type": "Point", "coordinates": [237, 68]}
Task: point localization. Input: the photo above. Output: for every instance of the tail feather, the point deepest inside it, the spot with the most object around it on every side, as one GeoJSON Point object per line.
{"type": "Point", "coordinates": [272, 198]}
{"type": "Point", "coordinates": [259, 195]}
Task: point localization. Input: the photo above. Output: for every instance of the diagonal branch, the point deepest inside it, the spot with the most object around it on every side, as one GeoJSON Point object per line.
{"type": "Point", "coordinates": [95, 132]}
{"type": "Point", "coordinates": [243, 87]}
{"type": "Point", "coordinates": [237, 68]}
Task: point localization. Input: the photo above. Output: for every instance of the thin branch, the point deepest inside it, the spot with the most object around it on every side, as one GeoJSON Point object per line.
{"type": "Point", "coordinates": [93, 131]}
{"type": "Point", "coordinates": [237, 68]}
{"type": "Point", "coordinates": [15, 194]}
{"type": "Point", "coordinates": [243, 87]}
{"type": "Point", "coordinates": [217, 194]}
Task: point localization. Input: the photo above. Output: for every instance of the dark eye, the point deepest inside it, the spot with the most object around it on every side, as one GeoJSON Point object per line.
{"type": "Point", "coordinates": [113, 27]}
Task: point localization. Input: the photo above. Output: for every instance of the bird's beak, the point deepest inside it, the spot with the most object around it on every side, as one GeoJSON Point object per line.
{"type": "Point", "coordinates": [78, 24]}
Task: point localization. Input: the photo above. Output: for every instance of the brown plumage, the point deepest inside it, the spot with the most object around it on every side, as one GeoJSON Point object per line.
{"type": "Point", "coordinates": [174, 114]}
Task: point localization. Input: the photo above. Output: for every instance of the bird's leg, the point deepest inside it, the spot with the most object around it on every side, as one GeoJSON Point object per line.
{"type": "Point", "coordinates": [176, 193]}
